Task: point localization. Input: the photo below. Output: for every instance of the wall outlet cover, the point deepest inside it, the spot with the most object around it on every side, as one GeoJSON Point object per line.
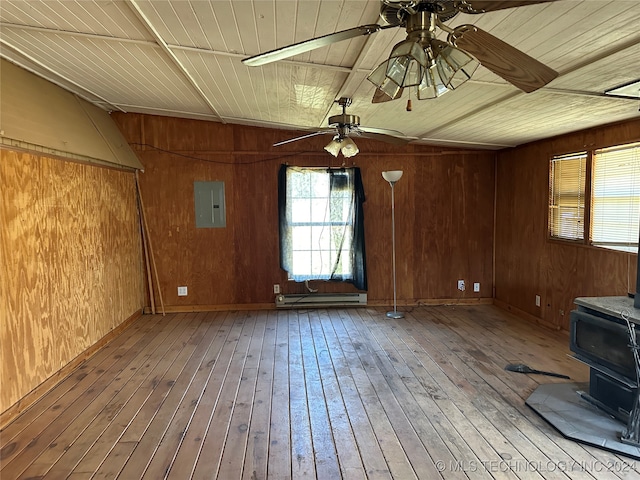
{"type": "Point", "coordinates": [476, 287]}
{"type": "Point", "coordinates": [182, 291]}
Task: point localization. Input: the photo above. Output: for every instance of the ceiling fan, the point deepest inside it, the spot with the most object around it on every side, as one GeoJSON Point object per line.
{"type": "Point", "coordinates": [431, 65]}
{"type": "Point", "coordinates": [344, 125]}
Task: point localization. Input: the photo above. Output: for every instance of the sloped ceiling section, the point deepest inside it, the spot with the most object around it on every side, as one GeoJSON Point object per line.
{"type": "Point", "coordinates": [183, 58]}
{"type": "Point", "coordinates": [36, 115]}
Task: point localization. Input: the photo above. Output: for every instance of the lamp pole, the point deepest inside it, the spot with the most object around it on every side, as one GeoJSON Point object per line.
{"type": "Point", "coordinates": [392, 177]}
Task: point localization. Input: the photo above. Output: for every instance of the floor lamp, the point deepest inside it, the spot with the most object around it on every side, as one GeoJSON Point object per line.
{"type": "Point", "coordinates": [392, 176]}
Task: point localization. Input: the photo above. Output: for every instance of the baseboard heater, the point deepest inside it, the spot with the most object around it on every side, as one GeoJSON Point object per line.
{"type": "Point", "coordinates": [319, 300]}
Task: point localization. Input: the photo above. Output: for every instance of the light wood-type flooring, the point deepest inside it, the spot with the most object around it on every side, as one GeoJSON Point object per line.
{"type": "Point", "coordinates": [327, 394]}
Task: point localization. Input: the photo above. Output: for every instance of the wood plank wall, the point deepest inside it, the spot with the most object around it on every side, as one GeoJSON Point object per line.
{"type": "Point", "coordinates": [527, 262]}
{"type": "Point", "coordinates": [71, 264]}
{"type": "Point", "coordinates": [444, 213]}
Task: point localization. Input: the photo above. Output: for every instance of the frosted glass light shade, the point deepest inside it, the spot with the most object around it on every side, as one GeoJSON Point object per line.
{"type": "Point", "coordinates": [345, 145]}
{"type": "Point", "coordinates": [406, 62]}
{"type": "Point", "coordinates": [384, 84]}
{"type": "Point", "coordinates": [392, 176]}
{"type": "Point", "coordinates": [455, 66]}
{"type": "Point", "coordinates": [430, 65]}
{"type": "Point", "coordinates": [349, 148]}
{"type": "Point", "coordinates": [432, 85]}
{"type": "Point", "coordinates": [333, 147]}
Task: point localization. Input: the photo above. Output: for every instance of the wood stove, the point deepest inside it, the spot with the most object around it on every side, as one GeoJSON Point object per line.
{"type": "Point", "coordinates": [600, 338]}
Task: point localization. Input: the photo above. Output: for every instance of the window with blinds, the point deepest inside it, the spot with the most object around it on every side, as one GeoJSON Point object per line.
{"type": "Point", "coordinates": [615, 198]}
{"type": "Point", "coordinates": [567, 182]}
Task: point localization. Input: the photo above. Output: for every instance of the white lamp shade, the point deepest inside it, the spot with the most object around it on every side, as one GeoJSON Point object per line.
{"type": "Point", "coordinates": [392, 176]}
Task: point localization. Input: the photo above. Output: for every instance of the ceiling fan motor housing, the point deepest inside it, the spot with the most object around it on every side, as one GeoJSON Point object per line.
{"type": "Point", "coordinates": [344, 119]}
{"type": "Point", "coordinates": [396, 13]}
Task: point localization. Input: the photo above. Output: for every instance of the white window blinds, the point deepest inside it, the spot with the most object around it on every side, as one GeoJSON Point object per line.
{"type": "Point", "coordinates": [616, 197]}
{"type": "Point", "coordinates": [567, 196]}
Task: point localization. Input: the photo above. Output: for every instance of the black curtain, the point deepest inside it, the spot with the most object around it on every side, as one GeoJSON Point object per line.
{"type": "Point", "coordinates": [282, 214]}
{"type": "Point", "coordinates": [359, 263]}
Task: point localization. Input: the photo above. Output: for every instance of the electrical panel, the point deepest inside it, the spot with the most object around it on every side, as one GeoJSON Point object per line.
{"type": "Point", "coordinates": [210, 204]}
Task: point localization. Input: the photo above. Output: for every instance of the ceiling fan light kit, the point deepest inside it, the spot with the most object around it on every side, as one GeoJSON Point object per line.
{"type": "Point", "coordinates": [344, 125]}
{"type": "Point", "coordinates": [433, 66]}
{"type": "Point", "coordinates": [345, 145]}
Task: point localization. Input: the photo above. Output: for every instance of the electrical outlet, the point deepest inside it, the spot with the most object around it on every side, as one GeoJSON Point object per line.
{"type": "Point", "coordinates": [276, 288]}
{"type": "Point", "coordinates": [476, 287]}
{"type": "Point", "coordinates": [182, 291]}
{"type": "Point", "coordinates": [461, 285]}
{"type": "Point", "coordinates": [537, 300]}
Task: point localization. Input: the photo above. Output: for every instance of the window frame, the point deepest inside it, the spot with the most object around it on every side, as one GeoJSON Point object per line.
{"type": "Point", "coordinates": [557, 206]}
{"type": "Point", "coordinates": [352, 220]}
{"type": "Point", "coordinates": [587, 233]}
{"type": "Point", "coordinates": [325, 227]}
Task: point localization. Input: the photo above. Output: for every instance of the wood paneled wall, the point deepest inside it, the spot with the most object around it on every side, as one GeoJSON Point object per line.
{"type": "Point", "coordinates": [527, 263]}
{"type": "Point", "coordinates": [444, 213]}
{"type": "Point", "coordinates": [70, 263]}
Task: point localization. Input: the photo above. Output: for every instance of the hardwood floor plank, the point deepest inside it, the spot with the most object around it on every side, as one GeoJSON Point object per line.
{"type": "Point", "coordinates": [76, 412]}
{"type": "Point", "coordinates": [185, 395]}
{"type": "Point", "coordinates": [371, 455]}
{"type": "Point", "coordinates": [257, 453]}
{"type": "Point", "coordinates": [324, 449]}
{"type": "Point", "coordinates": [499, 382]}
{"type": "Point", "coordinates": [208, 463]}
{"type": "Point", "coordinates": [325, 393]}
{"type": "Point", "coordinates": [455, 342]}
{"type": "Point", "coordinates": [347, 450]}
{"type": "Point", "coordinates": [48, 407]}
{"type": "Point", "coordinates": [203, 397]}
{"type": "Point", "coordinates": [446, 394]}
{"type": "Point", "coordinates": [302, 455]}
{"type": "Point", "coordinates": [279, 459]}
{"type": "Point", "coordinates": [396, 400]}
{"type": "Point", "coordinates": [235, 447]}
{"type": "Point", "coordinates": [409, 341]}
{"type": "Point", "coordinates": [486, 413]}
{"type": "Point", "coordinates": [396, 458]}
{"type": "Point", "coordinates": [484, 421]}
{"type": "Point", "coordinates": [114, 462]}
{"type": "Point", "coordinates": [428, 421]}
{"type": "Point", "coordinates": [145, 392]}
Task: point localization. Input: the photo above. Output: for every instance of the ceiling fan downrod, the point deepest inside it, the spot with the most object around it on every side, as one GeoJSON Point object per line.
{"type": "Point", "coordinates": [344, 122]}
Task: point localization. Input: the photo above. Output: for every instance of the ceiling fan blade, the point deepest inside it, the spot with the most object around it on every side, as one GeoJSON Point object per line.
{"type": "Point", "coordinates": [309, 135]}
{"type": "Point", "coordinates": [312, 44]}
{"type": "Point", "coordinates": [482, 6]}
{"type": "Point", "coordinates": [516, 67]}
{"type": "Point", "coordinates": [384, 135]}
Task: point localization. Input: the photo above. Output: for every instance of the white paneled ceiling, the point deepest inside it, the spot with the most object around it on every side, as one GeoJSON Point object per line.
{"type": "Point", "coordinates": [183, 58]}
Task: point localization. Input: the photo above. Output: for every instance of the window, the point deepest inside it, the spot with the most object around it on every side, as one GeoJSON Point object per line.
{"type": "Point", "coordinates": [594, 197]}
{"type": "Point", "coordinates": [321, 224]}
{"type": "Point", "coordinates": [567, 192]}
{"type": "Point", "coordinates": [615, 199]}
